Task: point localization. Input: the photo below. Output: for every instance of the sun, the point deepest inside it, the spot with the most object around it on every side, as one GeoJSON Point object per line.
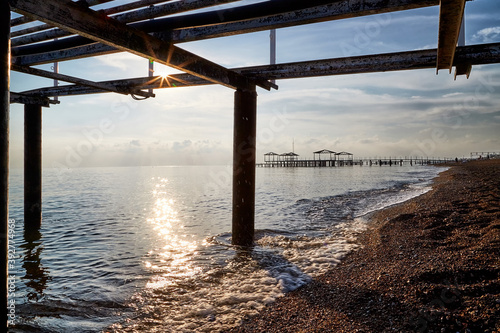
{"type": "Point", "coordinates": [164, 79]}
{"type": "Point", "coordinates": [159, 75]}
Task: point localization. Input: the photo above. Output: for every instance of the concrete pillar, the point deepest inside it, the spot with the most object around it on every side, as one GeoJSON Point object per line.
{"type": "Point", "coordinates": [4, 155]}
{"type": "Point", "coordinates": [32, 166]}
{"type": "Point", "coordinates": [245, 128]}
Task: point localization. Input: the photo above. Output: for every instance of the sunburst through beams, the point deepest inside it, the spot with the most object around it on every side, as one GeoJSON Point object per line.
{"type": "Point", "coordinates": [161, 79]}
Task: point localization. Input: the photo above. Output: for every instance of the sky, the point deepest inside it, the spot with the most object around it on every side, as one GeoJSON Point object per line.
{"type": "Point", "coordinates": [392, 114]}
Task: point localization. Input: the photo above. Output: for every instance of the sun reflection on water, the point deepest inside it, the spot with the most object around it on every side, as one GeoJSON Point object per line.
{"type": "Point", "coordinates": [172, 260]}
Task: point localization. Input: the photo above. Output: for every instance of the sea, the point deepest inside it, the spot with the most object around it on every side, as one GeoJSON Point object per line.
{"type": "Point", "coordinates": [148, 249]}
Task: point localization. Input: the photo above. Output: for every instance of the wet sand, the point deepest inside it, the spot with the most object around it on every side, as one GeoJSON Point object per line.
{"type": "Point", "coordinates": [431, 264]}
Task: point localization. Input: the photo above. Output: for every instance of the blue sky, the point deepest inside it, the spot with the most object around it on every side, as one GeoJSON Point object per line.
{"type": "Point", "coordinates": [381, 114]}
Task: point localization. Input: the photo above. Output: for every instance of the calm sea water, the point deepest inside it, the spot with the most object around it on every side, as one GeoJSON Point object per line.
{"type": "Point", "coordinates": [148, 249]}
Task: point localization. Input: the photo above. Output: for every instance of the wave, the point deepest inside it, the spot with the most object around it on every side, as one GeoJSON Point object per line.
{"type": "Point", "coordinates": [184, 282]}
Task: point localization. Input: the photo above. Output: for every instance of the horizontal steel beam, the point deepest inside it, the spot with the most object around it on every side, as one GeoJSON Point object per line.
{"type": "Point", "coordinates": [473, 54]}
{"type": "Point", "coordinates": [235, 14]}
{"type": "Point", "coordinates": [131, 6]}
{"type": "Point", "coordinates": [90, 24]}
{"type": "Point", "coordinates": [323, 13]}
{"type": "Point", "coordinates": [49, 52]}
{"type": "Point", "coordinates": [155, 82]}
{"type": "Point", "coordinates": [134, 16]}
{"type": "Point", "coordinates": [26, 19]}
{"type": "Point", "coordinates": [159, 11]}
{"type": "Point", "coordinates": [424, 59]}
{"type": "Point", "coordinates": [91, 50]}
{"type": "Point", "coordinates": [31, 99]}
{"type": "Point", "coordinates": [81, 82]}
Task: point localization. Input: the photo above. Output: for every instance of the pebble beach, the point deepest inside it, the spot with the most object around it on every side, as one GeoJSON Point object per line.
{"type": "Point", "coordinates": [430, 264]}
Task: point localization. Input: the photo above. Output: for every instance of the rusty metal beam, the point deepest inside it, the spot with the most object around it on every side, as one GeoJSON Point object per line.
{"type": "Point", "coordinates": [450, 19]}
{"type": "Point", "coordinates": [473, 54]}
{"type": "Point", "coordinates": [132, 5]}
{"type": "Point", "coordinates": [423, 59]}
{"type": "Point", "coordinates": [53, 45]}
{"type": "Point", "coordinates": [348, 65]}
{"type": "Point", "coordinates": [78, 81]}
{"type": "Point", "coordinates": [236, 14]}
{"type": "Point", "coordinates": [169, 9]}
{"type": "Point", "coordinates": [91, 3]}
{"type": "Point", "coordinates": [92, 25]}
{"type": "Point", "coordinates": [30, 99]}
{"type": "Point", "coordinates": [134, 16]}
{"type": "Point", "coordinates": [91, 50]}
{"type": "Point", "coordinates": [4, 161]}
{"type": "Point", "coordinates": [281, 16]}
{"type": "Point", "coordinates": [337, 10]}
{"type": "Point", "coordinates": [155, 82]}
{"type": "Point", "coordinates": [26, 19]}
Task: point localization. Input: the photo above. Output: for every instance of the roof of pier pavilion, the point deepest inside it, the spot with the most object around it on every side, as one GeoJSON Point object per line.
{"type": "Point", "coordinates": [324, 151]}
{"type": "Point", "coordinates": [291, 156]}
{"type": "Point", "coordinates": [152, 29]}
{"type": "Point", "coordinates": [344, 153]}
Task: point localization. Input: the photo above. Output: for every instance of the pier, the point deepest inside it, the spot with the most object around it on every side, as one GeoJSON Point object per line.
{"type": "Point", "coordinates": [63, 30]}
{"type": "Point", "coordinates": [340, 159]}
{"type": "Point", "coordinates": [298, 163]}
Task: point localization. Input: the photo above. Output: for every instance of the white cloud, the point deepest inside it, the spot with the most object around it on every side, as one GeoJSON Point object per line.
{"type": "Point", "coordinates": [488, 35]}
{"type": "Point", "coordinates": [368, 114]}
{"type": "Point", "coordinates": [452, 94]}
{"type": "Point", "coordinates": [120, 61]}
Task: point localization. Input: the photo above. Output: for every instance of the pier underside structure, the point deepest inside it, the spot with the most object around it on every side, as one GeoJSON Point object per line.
{"type": "Point", "coordinates": [64, 30]}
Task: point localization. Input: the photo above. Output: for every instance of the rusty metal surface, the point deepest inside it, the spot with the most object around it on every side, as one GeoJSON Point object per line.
{"type": "Point", "coordinates": [313, 14]}
{"type": "Point", "coordinates": [176, 7]}
{"type": "Point", "coordinates": [423, 59]}
{"type": "Point", "coordinates": [29, 99]}
{"type": "Point", "coordinates": [450, 19]}
{"type": "Point", "coordinates": [240, 24]}
{"type": "Point", "coordinates": [4, 155]}
{"type": "Point", "coordinates": [82, 82]}
{"type": "Point", "coordinates": [230, 21]}
{"type": "Point", "coordinates": [90, 25]}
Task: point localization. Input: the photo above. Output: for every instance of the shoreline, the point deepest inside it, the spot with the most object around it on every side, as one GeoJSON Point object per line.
{"type": "Point", "coordinates": [429, 264]}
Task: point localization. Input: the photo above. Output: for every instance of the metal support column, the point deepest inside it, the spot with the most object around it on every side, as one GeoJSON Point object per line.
{"type": "Point", "coordinates": [32, 167]}
{"type": "Point", "coordinates": [56, 70]}
{"type": "Point", "coordinates": [244, 144]}
{"type": "Point", "coordinates": [462, 68]}
{"type": "Point", "coordinates": [4, 155]}
{"type": "Point", "coordinates": [272, 46]}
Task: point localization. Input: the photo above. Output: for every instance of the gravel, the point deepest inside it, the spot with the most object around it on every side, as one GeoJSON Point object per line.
{"type": "Point", "coordinates": [430, 264]}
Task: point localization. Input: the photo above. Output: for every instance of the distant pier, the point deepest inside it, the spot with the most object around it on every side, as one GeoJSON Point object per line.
{"type": "Point", "coordinates": [291, 160]}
